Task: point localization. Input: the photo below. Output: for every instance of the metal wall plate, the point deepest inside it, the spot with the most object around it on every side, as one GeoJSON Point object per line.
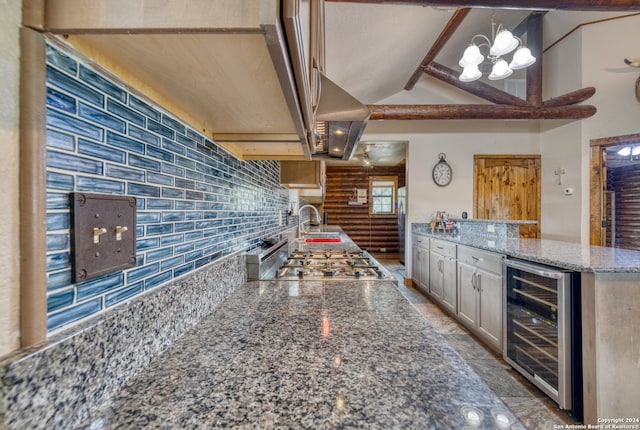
{"type": "Point", "coordinates": [103, 234]}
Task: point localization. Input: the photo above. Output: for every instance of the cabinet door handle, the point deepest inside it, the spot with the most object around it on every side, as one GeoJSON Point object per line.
{"type": "Point", "coordinates": [473, 280]}
{"type": "Point", "coordinates": [479, 282]}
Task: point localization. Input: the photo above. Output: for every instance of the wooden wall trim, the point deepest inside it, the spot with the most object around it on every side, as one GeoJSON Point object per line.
{"type": "Point", "coordinates": [616, 140]}
{"type": "Point", "coordinates": [33, 223]}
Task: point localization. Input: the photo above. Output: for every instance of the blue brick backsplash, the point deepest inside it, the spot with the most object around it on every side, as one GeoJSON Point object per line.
{"type": "Point", "coordinates": [196, 203]}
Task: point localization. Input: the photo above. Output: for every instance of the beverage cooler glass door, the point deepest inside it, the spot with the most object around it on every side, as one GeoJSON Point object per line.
{"type": "Point", "coordinates": [538, 327]}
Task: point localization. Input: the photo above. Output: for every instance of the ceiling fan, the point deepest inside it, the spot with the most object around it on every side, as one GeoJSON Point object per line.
{"type": "Point", "coordinates": [635, 63]}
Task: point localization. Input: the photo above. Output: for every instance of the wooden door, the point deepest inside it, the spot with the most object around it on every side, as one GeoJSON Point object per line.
{"type": "Point", "coordinates": [507, 187]}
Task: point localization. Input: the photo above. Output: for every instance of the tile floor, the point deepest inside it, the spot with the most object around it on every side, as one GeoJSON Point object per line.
{"type": "Point", "coordinates": [532, 406]}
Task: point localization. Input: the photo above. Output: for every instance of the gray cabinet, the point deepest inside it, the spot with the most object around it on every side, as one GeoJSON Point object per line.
{"type": "Point", "coordinates": [442, 268]}
{"type": "Point", "coordinates": [420, 262]}
{"type": "Point", "coordinates": [480, 293]}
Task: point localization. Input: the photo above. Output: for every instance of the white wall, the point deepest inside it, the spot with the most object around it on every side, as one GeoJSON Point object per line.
{"type": "Point", "coordinates": [9, 228]}
{"type": "Point", "coordinates": [591, 56]}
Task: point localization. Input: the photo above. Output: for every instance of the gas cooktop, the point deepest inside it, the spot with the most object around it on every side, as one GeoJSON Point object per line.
{"type": "Point", "coordinates": [338, 265]}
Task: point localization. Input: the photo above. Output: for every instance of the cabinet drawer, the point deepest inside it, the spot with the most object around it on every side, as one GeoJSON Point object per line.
{"type": "Point", "coordinates": [421, 241]}
{"type": "Point", "coordinates": [489, 261]}
{"type": "Point", "coordinates": [447, 249]}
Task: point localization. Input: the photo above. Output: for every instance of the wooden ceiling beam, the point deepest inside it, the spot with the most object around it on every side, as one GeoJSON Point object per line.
{"type": "Point", "coordinates": [477, 88]}
{"type": "Point", "coordinates": [446, 33]}
{"type": "Point", "coordinates": [584, 5]}
{"type": "Point", "coordinates": [534, 71]}
{"type": "Point", "coordinates": [460, 111]}
{"type": "Point", "coordinates": [570, 98]}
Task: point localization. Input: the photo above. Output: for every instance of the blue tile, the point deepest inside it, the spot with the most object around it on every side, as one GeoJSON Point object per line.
{"type": "Point", "coordinates": [99, 185]}
{"type": "Point", "coordinates": [179, 271]}
{"type": "Point", "coordinates": [99, 285]}
{"type": "Point", "coordinates": [191, 174]}
{"type": "Point", "coordinates": [59, 300]}
{"type": "Point", "coordinates": [58, 221]}
{"type": "Point", "coordinates": [172, 262]}
{"type": "Point", "coordinates": [160, 154]}
{"type": "Point", "coordinates": [55, 139]}
{"type": "Point", "coordinates": [128, 173]}
{"type": "Point", "coordinates": [157, 280]}
{"type": "Point", "coordinates": [58, 280]}
{"type": "Point", "coordinates": [74, 313]}
{"type": "Point", "coordinates": [184, 141]}
{"type": "Point", "coordinates": [57, 242]}
{"type": "Point", "coordinates": [194, 216]}
{"type": "Point", "coordinates": [72, 86]}
{"type": "Point", "coordinates": [155, 204]}
{"type": "Point", "coordinates": [185, 162]}
{"type": "Point", "coordinates": [172, 170]}
{"type": "Point", "coordinates": [59, 181]}
{"type": "Point", "coordinates": [62, 61]}
{"type": "Point", "coordinates": [144, 163]}
{"type": "Point", "coordinates": [173, 193]}
{"type": "Point", "coordinates": [174, 124]}
{"type": "Point", "coordinates": [172, 147]}
{"type": "Point", "coordinates": [142, 272]}
{"type": "Point", "coordinates": [147, 243]}
{"type": "Point", "coordinates": [58, 201]}
{"type": "Point", "coordinates": [173, 239]}
{"type": "Point", "coordinates": [194, 235]}
{"type": "Point", "coordinates": [143, 107]}
{"type": "Point", "coordinates": [69, 162]}
{"type": "Point", "coordinates": [158, 229]}
{"type": "Point", "coordinates": [124, 143]}
{"type": "Point", "coordinates": [185, 205]}
{"type": "Point", "coordinates": [100, 150]}
{"type": "Point", "coordinates": [58, 261]}
{"type": "Point", "coordinates": [158, 178]}
{"type": "Point", "coordinates": [97, 81]}
{"type": "Point", "coordinates": [124, 293]}
{"type": "Point", "coordinates": [193, 255]}
{"type": "Point", "coordinates": [125, 113]}
{"type": "Point", "coordinates": [102, 118]}
{"type": "Point", "coordinates": [185, 183]}
{"type": "Point", "coordinates": [143, 135]}
{"type": "Point", "coordinates": [61, 101]}
{"type": "Point", "coordinates": [206, 260]}
{"type": "Point", "coordinates": [186, 247]}
{"type": "Point", "coordinates": [184, 226]}
{"type": "Point", "coordinates": [159, 254]}
{"type": "Point", "coordinates": [143, 190]}
{"type": "Point", "coordinates": [194, 195]}
{"type": "Point", "coordinates": [192, 134]}
{"type": "Point", "coordinates": [172, 216]}
{"type": "Point", "coordinates": [148, 217]}
{"type": "Point", "coordinates": [73, 125]}
{"type": "Point", "coordinates": [160, 129]}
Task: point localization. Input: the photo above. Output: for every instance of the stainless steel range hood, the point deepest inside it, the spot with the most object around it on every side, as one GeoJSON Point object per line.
{"type": "Point", "coordinates": [340, 121]}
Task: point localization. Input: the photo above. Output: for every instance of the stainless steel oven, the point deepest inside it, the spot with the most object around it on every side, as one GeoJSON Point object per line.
{"type": "Point", "coordinates": [543, 330]}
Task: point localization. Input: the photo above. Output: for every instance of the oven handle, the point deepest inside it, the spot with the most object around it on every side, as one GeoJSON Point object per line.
{"type": "Point", "coordinates": [537, 270]}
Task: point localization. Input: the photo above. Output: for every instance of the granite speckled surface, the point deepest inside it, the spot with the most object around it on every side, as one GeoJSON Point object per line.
{"type": "Point", "coordinates": [308, 354]}
{"type": "Point", "coordinates": [568, 255]}
{"type": "Point", "coordinates": [56, 384]}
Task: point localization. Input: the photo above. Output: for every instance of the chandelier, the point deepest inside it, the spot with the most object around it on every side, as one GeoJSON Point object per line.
{"type": "Point", "coordinates": [503, 43]}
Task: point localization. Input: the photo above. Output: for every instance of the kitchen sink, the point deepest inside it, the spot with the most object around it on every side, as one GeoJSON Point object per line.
{"type": "Point", "coordinates": [323, 239]}
{"type": "Point", "coordinates": [323, 233]}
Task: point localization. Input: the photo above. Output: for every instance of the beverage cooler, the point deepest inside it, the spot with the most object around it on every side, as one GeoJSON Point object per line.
{"type": "Point", "coordinates": [543, 329]}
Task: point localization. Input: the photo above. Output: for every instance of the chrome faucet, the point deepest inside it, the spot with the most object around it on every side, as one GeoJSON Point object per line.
{"type": "Point", "coordinates": [301, 230]}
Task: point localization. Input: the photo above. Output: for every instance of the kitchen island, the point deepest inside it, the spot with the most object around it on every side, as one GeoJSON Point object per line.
{"type": "Point", "coordinates": [308, 354]}
{"type": "Point", "coordinates": [610, 297]}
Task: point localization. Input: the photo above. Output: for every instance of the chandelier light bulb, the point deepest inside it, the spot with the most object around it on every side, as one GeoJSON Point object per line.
{"type": "Point", "coordinates": [500, 70]}
{"type": "Point", "coordinates": [504, 43]}
{"type": "Point", "coordinates": [521, 59]}
{"type": "Point", "coordinates": [471, 56]}
{"type": "Point", "coordinates": [470, 73]}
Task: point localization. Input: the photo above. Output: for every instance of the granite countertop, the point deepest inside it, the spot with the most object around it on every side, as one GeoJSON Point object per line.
{"type": "Point", "coordinates": [308, 354]}
{"type": "Point", "coordinates": [568, 255]}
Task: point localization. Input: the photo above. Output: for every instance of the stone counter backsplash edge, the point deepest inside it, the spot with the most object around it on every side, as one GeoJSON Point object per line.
{"type": "Point", "coordinates": [56, 384]}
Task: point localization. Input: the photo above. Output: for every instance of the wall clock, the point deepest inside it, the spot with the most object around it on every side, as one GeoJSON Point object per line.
{"type": "Point", "coordinates": [442, 172]}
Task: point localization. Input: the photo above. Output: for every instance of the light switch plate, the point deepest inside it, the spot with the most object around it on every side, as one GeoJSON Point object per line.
{"type": "Point", "coordinates": [103, 234]}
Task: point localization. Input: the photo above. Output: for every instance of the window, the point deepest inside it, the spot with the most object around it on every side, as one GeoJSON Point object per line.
{"type": "Point", "coordinates": [382, 190]}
